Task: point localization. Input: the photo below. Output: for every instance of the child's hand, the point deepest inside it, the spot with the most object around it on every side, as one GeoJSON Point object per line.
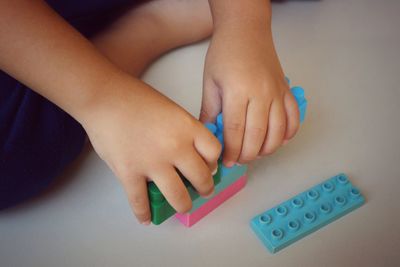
{"type": "Point", "coordinates": [243, 79]}
{"type": "Point", "coordinates": [143, 135]}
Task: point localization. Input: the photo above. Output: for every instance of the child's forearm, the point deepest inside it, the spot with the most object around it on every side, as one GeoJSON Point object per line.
{"type": "Point", "coordinates": [242, 14]}
{"type": "Point", "coordinates": [41, 50]}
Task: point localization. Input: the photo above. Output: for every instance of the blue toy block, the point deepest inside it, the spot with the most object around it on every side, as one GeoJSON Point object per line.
{"type": "Point", "coordinates": [298, 94]}
{"type": "Point", "coordinates": [307, 212]}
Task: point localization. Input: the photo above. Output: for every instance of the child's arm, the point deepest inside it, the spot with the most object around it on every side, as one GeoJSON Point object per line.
{"type": "Point", "coordinates": [40, 49]}
{"type": "Point", "coordinates": [138, 132]}
{"type": "Point", "coordinates": [243, 77]}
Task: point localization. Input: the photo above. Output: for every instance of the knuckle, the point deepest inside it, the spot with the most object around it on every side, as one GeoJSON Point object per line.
{"type": "Point", "coordinates": [234, 126]}
{"type": "Point", "coordinates": [256, 132]}
{"type": "Point", "coordinates": [124, 171]}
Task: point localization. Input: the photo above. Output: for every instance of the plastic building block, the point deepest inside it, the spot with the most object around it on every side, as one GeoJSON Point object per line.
{"type": "Point", "coordinates": [227, 177]}
{"type": "Point", "coordinates": [189, 219]}
{"type": "Point", "coordinates": [298, 94]}
{"type": "Point", "coordinates": [225, 189]}
{"type": "Point", "coordinates": [161, 210]}
{"type": "Point", "coordinates": [307, 212]}
{"type": "Point", "coordinates": [222, 191]}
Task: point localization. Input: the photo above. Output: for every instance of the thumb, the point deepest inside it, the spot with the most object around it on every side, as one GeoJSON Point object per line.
{"type": "Point", "coordinates": [211, 102]}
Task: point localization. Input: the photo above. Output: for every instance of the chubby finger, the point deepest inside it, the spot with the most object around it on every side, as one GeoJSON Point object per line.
{"type": "Point", "coordinates": [234, 116]}
{"type": "Point", "coordinates": [193, 167]}
{"type": "Point", "coordinates": [136, 190]}
{"type": "Point", "coordinates": [255, 130]}
{"type": "Point", "coordinates": [173, 189]}
{"type": "Point", "coordinates": [292, 115]}
{"type": "Point", "coordinates": [276, 128]}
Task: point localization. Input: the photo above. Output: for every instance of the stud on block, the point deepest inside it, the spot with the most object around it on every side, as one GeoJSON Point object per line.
{"type": "Point", "coordinates": [307, 212]}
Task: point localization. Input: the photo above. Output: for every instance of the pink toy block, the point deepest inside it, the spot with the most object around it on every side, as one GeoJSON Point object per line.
{"type": "Point", "coordinates": [190, 219]}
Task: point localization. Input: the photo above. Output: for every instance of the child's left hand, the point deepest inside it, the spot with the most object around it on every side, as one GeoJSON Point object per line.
{"type": "Point", "coordinates": [244, 79]}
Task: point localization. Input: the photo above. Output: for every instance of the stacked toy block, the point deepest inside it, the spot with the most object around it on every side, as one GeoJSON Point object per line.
{"type": "Point", "coordinates": [227, 181]}
{"type": "Point", "coordinates": [161, 210]}
{"type": "Point", "coordinates": [307, 212]}
{"type": "Point", "coordinates": [232, 180]}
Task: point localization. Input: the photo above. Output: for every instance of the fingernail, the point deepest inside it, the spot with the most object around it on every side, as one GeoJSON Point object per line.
{"type": "Point", "coordinates": [237, 163]}
{"type": "Point", "coordinates": [146, 222]}
{"type": "Point", "coordinates": [259, 157]}
{"type": "Point", "coordinates": [215, 171]}
{"type": "Point", "coordinates": [229, 164]}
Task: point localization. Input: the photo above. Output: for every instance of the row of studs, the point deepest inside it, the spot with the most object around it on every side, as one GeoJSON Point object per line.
{"type": "Point", "coordinates": [308, 217]}
{"type": "Point", "coordinates": [297, 202]}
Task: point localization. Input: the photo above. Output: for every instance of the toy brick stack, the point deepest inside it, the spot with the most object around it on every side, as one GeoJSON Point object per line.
{"type": "Point", "coordinates": [227, 181]}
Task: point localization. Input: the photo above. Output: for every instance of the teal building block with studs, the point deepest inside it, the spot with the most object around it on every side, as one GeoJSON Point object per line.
{"type": "Point", "coordinates": [307, 212]}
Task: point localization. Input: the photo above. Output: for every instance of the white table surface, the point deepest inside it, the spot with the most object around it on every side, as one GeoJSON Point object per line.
{"type": "Point", "coordinates": [346, 55]}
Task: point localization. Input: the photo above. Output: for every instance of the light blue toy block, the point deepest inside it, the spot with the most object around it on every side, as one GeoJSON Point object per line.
{"type": "Point", "coordinates": [307, 212]}
{"type": "Point", "coordinates": [298, 94]}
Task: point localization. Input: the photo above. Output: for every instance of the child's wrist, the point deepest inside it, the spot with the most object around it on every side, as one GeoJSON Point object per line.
{"type": "Point", "coordinates": [98, 96]}
{"type": "Point", "coordinates": [241, 15]}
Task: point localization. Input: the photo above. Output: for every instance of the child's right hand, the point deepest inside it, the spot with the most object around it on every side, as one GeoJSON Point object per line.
{"type": "Point", "coordinates": [143, 135]}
